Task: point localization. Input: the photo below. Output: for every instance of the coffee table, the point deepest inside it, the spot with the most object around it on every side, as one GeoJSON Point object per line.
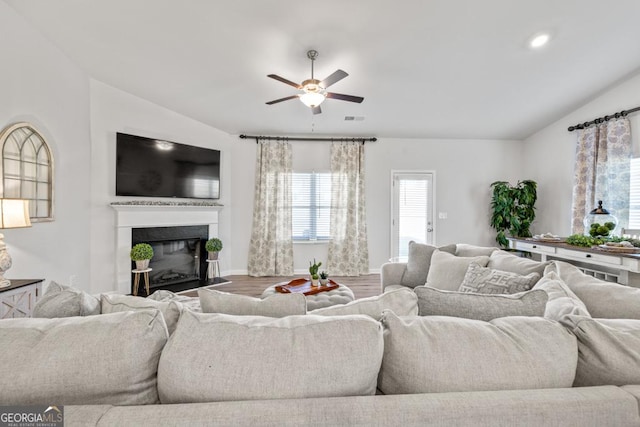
{"type": "Point", "coordinates": [341, 295]}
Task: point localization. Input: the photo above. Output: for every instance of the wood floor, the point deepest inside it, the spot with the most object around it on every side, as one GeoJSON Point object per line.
{"type": "Point", "coordinates": [362, 286]}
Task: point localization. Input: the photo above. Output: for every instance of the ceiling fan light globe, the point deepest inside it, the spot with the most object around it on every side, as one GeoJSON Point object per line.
{"type": "Point", "coordinates": [312, 99]}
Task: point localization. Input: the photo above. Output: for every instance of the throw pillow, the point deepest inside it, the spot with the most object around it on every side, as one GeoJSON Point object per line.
{"type": "Point", "coordinates": [505, 261]}
{"type": "Point", "coordinates": [562, 300]}
{"type": "Point", "coordinates": [447, 271]}
{"type": "Point", "coordinates": [417, 269]}
{"type": "Point", "coordinates": [402, 301]}
{"type": "Point", "coordinates": [604, 300]}
{"type": "Point", "coordinates": [277, 305]}
{"type": "Point", "coordinates": [608, 350]}
{"type": "Point", "coordinates": [485, 280]}
{"type": "Point", "coordinates": [466, 250]}
{"type": "Point", "coordinates": [253, 357]}
{"type": "Point", "coordinates": [113, 303]}
{"type": "Point", "coordinates": [110, 359]}
{"type": "Point", "coordinates": [437, 354]}
{"type": "Point", "coordinates": [65, 301]}
{"type": "Point", "coordinates": [436, 302]}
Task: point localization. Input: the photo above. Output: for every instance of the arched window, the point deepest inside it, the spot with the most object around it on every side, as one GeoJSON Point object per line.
{"type": "Point", "coordinates": [27, 169]}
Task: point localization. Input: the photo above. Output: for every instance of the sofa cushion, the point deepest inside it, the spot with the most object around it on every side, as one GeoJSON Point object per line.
{"type": "Point", "coordinates": [107, 359]}
{"type": "Point", "coordinates": [485, 280]}
{"type": "Point", "coordinates": [604, 300]}
{"type": "Point", "coordinates": [252, 357]}
{"type": "Point", "coordinates": [466, 250]}
{"type": "Point", "coordinates": [418, 262]}
{"type": "Point", "coordinates": [609, 350]}
{"type": "Point", "coordinates": [447, 271]}
{"type": "Point", "coordinates": [402, 301]}
{"type": "Point", "coordinates": [438, 354]}
{"type": "Point", "coordinates": [187, 302]}
{"type": "Point", "coordinates": [562, 300]}
{"type": "Point", "coordinates": [436, 302]}
{"type": "Point", "coordinates": [113, 303]}
{"type": "Point", "coordinates": [65, 301]}
{"type": "Point", "coordinates": [276, 305]}
{"type": "Point", "coordinates": [505, 261]}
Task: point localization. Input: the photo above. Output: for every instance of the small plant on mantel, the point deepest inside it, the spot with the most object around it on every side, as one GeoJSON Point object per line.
{"type": "Point", "coordinates": [141, 253]}
{"type": "Point", "coordinates": [213, 246]}
{"type": "Point", "coordinates": [313, 270]}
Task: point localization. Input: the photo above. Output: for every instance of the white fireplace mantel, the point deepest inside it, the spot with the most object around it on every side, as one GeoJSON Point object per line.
{"type": "Point", "coordinates": [155, 214]}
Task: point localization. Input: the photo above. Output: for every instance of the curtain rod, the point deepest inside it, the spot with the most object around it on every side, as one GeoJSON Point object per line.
{"type": "Point", "coordinates": [289, 138]}
{"type": "Point", "coordinates": [599, 120]}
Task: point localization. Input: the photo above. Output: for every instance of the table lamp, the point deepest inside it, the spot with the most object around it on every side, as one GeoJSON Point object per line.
{"type": "Point", "coordinates": [14, 213]}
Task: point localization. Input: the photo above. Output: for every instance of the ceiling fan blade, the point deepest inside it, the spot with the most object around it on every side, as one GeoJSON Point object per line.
{"type": "Point", "coordinates": [343, 97]}
{"type": "Point", "coordinates": [333, 78]}
{"type": "Point", "coordinates": [275, 101]}
{"type": "Point", "coordinates": [283, 80]}
{"type": "Point", "coordinates": [316, 109]}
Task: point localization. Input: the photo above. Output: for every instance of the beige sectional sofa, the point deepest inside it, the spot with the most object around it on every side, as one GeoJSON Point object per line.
{"type": "Point", "coordinates": [380, 361]}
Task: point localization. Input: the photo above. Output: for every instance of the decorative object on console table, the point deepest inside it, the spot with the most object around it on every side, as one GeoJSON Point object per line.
{"type": "Point", "coordinates": [14, 213]}
{"type": "Point", "coordinates": [141, 253]}
{"type": "Point", "coordinates": [19, 298]}
{"type": "Point", "coordinates": [512, 209]}
{"type": "Point", "coordinates": [599, 222]}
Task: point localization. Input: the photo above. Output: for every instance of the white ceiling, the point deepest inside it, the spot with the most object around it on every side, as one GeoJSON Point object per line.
{"type": "Point", "coordinates": [426, 68]}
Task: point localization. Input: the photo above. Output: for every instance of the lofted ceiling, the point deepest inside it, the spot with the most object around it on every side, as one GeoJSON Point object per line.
{"type": "Point", "coordinates": [426, 68]}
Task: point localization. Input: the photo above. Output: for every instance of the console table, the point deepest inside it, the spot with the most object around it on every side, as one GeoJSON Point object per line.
{"type": "Point", "coordinates": [18, 299]}
{"type": "Point", "coordinates": [614, 267]}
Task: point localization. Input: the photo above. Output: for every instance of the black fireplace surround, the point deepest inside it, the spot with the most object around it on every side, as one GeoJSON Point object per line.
{"type": "Point", "coordinates": [179, 259]}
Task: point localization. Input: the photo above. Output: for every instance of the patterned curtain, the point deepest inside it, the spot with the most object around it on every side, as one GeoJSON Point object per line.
{"type": "Point", "coordinates": [603, 154]}
{"type": "Point", "coordinates": [348, 253]}
{"type": "Point", "coordinates": [271, 247]}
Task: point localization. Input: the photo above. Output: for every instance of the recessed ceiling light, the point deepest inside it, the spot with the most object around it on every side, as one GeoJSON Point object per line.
{"type": "Point", "coordinates": [539, 40]}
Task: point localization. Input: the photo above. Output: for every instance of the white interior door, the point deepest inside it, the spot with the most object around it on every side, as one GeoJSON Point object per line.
{"type": "Point", "coordinates": [412, 210]}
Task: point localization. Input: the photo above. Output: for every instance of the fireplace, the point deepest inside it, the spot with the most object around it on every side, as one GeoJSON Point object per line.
{"type": "Point", "coordinates": [141, 214]}
{"type": "Point", "coordinates": [179, 255]}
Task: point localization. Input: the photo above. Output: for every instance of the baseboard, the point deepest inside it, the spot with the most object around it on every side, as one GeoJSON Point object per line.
{"type": "Point", "coordinates": [300, 272]}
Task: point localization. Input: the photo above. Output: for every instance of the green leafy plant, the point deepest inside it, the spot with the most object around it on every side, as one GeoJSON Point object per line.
{"type": "Point", "coordinates": [584, 241]}
{"type": "Point", "coordinates": [141, 251]}
{"type": "Point", "coordinates": [313, 268]}
{"type": "Point", "coordinates": [324, 275]}
{"type": "Point", "coordinates": [213, 245]}
{"type": "Point", "coordinates": [512, 209]}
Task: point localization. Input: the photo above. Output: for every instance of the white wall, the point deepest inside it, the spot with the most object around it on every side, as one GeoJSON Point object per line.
{"type": "Point", "coordinates": [113, 110]}
{"type": "Point", "coordinates": [550, 154]}
{"type": "Point", "coordinates": [464, 170]}
{"type": "Point", "coordinates": [38, 84]}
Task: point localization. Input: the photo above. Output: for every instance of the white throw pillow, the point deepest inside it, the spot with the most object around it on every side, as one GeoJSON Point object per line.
{"type": "Point", "coordinates": [65, 301]}
{"type": "Point", "coordinates": [562, 300]}
{"type": "Point", "coordinates": [447, 271]}
{"type": "Point", "coordinates": [276, 305]}
{"type": "Point", "coordinates": [402, 301]}
{"type": "Point", "coordinates": [113, 303]}
{"type": "Point", "coordinates": [505, 261]}
{"type": "Point", "coordinates": [436, 302]}
{"type": "Point", "coordinates": [485, 280]}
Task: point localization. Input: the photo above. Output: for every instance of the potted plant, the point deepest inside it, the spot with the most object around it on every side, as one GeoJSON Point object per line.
{"type": "Point", "coordinates": [213, 246]}
{"type": "Point", "coordinates": [313, 270]}
{"type": "Point", "coordinates": [141, 253]}
{"type": "Point", "coordinates": [513, 209]}
{"type": "Point", "coordinates": [324, 278]}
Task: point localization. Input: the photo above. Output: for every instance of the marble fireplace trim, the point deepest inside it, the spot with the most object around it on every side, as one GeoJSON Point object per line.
{"type": "Point", "coordinates": [129, 216]}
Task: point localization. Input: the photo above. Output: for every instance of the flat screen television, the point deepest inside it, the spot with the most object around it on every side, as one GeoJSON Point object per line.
{"type": "Point", "coordinates": [156, 168]}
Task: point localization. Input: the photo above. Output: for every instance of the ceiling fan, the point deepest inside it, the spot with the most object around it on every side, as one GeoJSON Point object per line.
{"type": "Point", "coordinates": [314, 91]}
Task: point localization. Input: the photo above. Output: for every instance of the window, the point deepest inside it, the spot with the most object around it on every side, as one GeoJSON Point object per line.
{"type": "Point", "coordinates": [634, 194]}
{"type": "Point", "coordinates": [311, 198]}
{"type": "Point", "coordinates": [27, 169]}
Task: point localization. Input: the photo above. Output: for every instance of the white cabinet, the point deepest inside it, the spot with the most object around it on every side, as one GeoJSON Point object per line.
{"type": "Point", "coordinates": [18, 299]}
{"type": "Point", "coordinates": [622, 268]}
